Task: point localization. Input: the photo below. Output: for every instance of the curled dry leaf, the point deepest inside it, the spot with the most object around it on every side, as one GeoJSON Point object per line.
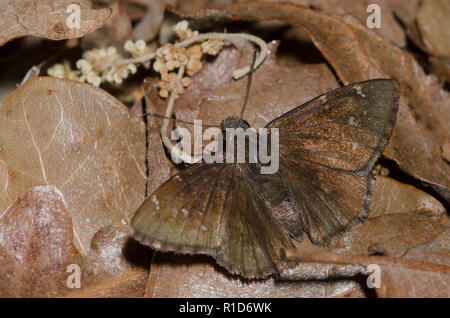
{"type": "Point", "coordinates": [47, 19]}
{"type": "Point", "coordinates": [358, 54]}
{"type": "Point", "coordinates": [434, 25]}
{"type": "Point", "coordinates": [390, 28]}
{"type": "Point", "coordinates": [441, 67]}
{"type": "Point", "coordinates": [80, 139]}
{"type": "Point", "coordinates": [116, 266]}
{"type": "Point", "coordinates": [115, 31]}
{"type": "Point", "coordinates": [38, 258]}
{"type": "Point", "coordinates": [390, 234]}
{"type": "Point", "coordinates": [391, 196]}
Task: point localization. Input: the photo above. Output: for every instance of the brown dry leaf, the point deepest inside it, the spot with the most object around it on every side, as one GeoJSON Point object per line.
{"type": "Point", "coordinates": [390, 28]}
{"type": "Point", "coordinates": [390, 235]}
{"type": "Point", "coordinates": [434, 25]}
{"type": "Point", "coordinates": [80, 139]}
{"type": "Point", "coordinates": [159, 165]}
{"type": "Point", "coordinates": [358, 54]}
{"type": "Point", "coordinates": [402, 281]}
{"type": "Point", "coordinates": [47, 19]}
{"type": "Point", "coordinates": [441, 67]}
{"type": "Point", "coordinates": [116, 266]}
{"type": "Point", "coordinates": [36, 251]}
{"type": "Point", "coordinates": [391, 196]}
{"type": "Point", "coordinates": [31, 230]}
{"type": "Point", "coordinates": [148, 27]}
{"type": "Point", "coordinates": [116, 30]}
{"type": "Point", "coordinates": [416, 249]}
{"type": "Point", "coordinates": [196, 276]}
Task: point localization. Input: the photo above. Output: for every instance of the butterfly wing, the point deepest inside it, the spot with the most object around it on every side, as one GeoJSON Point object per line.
{"type": "Point", "coordinates": [213, 209]}
{"type": "Point", "coordinates": [328, 147]}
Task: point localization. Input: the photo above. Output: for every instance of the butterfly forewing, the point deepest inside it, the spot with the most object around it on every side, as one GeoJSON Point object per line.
{"type": "Point", "coordinates": [184, 213]}
{"type": "Point", "coordinates": [344, 129]}
{"type": "Point", "coordinates": [328, 147]}
{"type": "Point", "coordinates": [213, 209]}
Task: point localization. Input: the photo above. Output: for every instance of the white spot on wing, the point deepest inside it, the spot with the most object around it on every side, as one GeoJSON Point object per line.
{"type": "Point", "coordinates": [352, 122]}
{"type": "Point", "coordinates": [359, 92]}
{"type": "Point", "coordinates": [185, 212]}
{"type": "Point", "coordinates": [155, 201]}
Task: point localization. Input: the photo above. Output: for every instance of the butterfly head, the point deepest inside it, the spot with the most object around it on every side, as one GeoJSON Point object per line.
{"type": "Point", "coordinates": [234, 122]}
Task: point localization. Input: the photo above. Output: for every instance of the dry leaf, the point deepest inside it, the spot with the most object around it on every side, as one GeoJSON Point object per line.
{"type": "Point", "coordinates": [390, 28]}
{"type": "Point", "coordinates": [38, 258]}
{"type": "Point", "coordinates": [36, 245]}
{"type": "Point", "coordinates": [390, 234]}
{"type": "Point", "coordinates": [148, 27]}
{"type": "Point", "coordinates": [80, 139]}
{"type": "Point", "coordinates": [441, 67]}
{"type": "Point", "coordinates": [47, 19]}
{"type": "Point", "coordinates": [159, 165]}
{"type": "Point", "coordinates": [116, 266]}
{"type": "Point", "coordinates": [434, 25]}
{"type": "Point", "coordinates": [116, 30]}
{"type": "Point", "coordinates": [391, 196]}
{"type": "Point", "coordinates": [416, 248]}
{"type": "Point", "coordinates": [402, 281]}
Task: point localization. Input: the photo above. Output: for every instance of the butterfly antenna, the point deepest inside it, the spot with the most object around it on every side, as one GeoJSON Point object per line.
{"type": "Point", "coordinates": [174, 119]}
{"type": "Point", "coordinates": [249, 84]}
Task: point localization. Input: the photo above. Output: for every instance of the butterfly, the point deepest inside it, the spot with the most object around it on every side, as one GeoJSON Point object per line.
{"type": "Point", "coordinates": [230, 211]}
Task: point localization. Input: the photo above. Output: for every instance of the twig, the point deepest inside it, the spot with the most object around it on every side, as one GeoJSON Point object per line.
{"type": "Point", "coordinates": [165, 124]}
{"type": "Point", "coordinates": [344, 259]}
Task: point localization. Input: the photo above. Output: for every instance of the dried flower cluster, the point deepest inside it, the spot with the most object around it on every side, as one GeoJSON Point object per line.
{"type": "Point", "coordinates": [170, 57]}
{"type": "Point", "coordinates": [138, 49]}
{"type": "Point", "coordinates": [107, 65]}
{"type": "Point", "coordinates": [91, 69]}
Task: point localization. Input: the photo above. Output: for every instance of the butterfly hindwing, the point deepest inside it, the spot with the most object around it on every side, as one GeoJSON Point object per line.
{"type": "Point", "coordinates": [327, 200]}
{"type": "Point", "coordinates": [213, 209]}
{"type": "Point", "coordinates": [328, 147]}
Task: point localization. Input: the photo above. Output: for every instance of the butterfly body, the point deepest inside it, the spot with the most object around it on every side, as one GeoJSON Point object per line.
{"type": "Point", "coordinates": [244, 219]}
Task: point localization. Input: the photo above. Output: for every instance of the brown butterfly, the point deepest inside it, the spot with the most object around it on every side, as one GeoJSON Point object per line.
{"type": "Point", "coordinates": [327, 148]}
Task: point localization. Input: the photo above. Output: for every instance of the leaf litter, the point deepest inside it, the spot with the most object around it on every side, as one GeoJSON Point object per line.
{"type": "Point", "coordinates": [60, 127]}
